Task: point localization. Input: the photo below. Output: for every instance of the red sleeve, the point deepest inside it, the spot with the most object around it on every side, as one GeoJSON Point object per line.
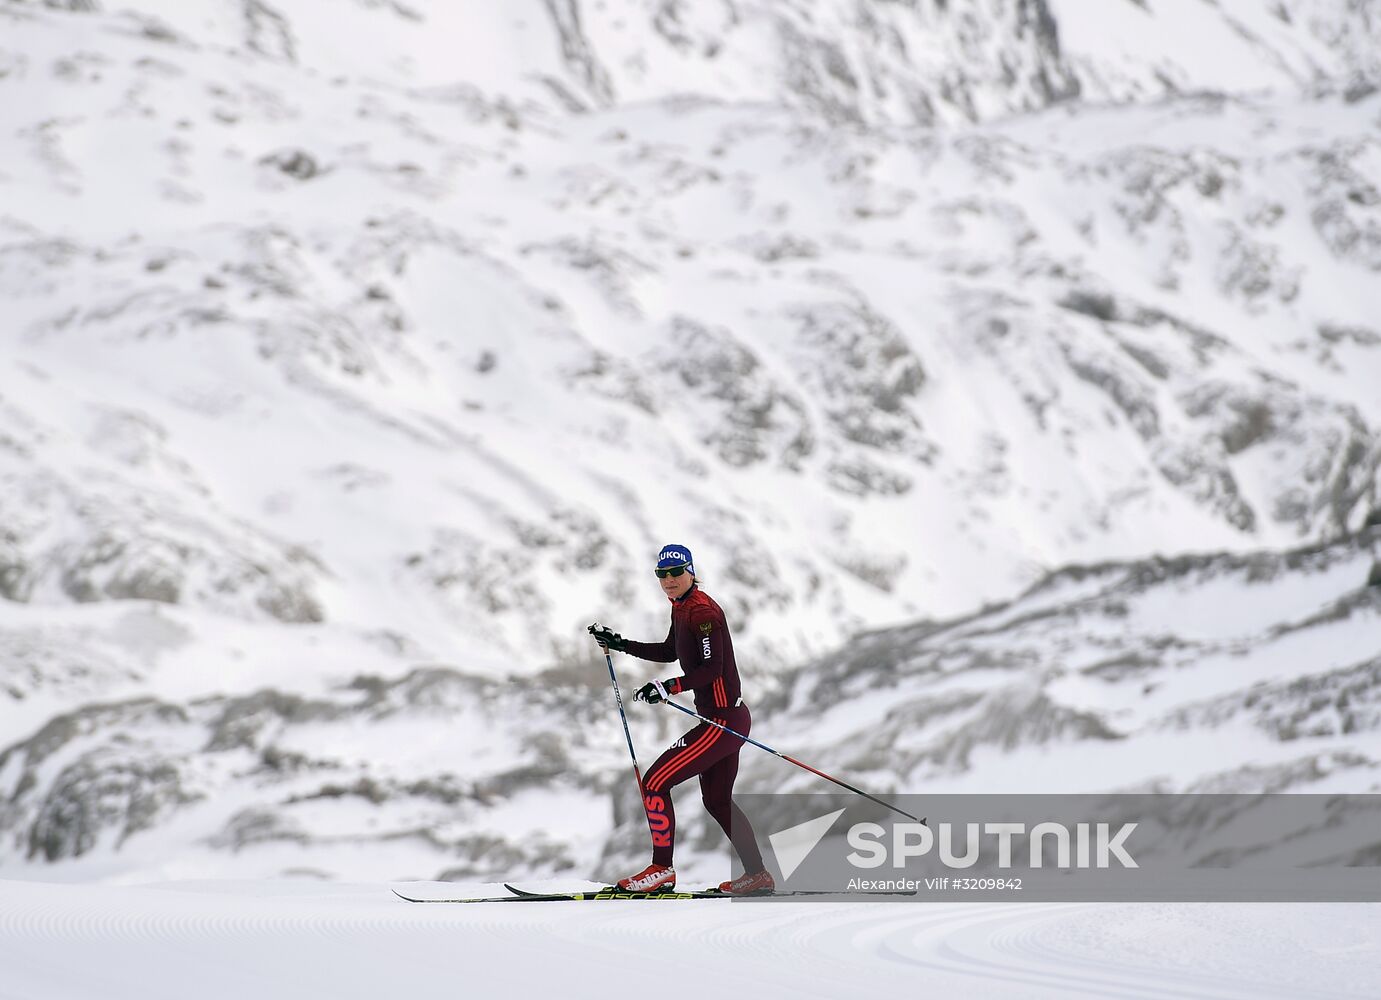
{"type": "Point", "coordinates": [658, 652]}
{"type": "Point", "coordinates": [708, 632]}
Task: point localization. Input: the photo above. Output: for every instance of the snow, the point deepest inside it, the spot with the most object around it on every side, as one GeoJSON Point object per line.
{"type": "Point", "coordinates": [301, 938]}
{"type": "Point", "coordinates": [448, 392]}
{"type": "Point", "coordinates": [569, 242]}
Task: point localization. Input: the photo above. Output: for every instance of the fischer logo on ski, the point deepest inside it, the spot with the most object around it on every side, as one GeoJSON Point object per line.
{"type": "Point", "coordinates": [610, 893]}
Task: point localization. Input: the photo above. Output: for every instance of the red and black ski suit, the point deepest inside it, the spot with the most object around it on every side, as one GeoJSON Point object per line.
{"type": "Point", "coordinates": [699, 639]}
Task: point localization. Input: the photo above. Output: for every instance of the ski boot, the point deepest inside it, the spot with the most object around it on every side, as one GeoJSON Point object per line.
{"type": "Point", "coordinates": [757, 884]}
{"type": "Point", "coordinates": [653, 878]}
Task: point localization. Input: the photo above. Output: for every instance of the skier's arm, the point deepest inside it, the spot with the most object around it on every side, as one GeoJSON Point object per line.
{"type": "Point", "coordinates": [709, 661]}
{"type": "Point", "coordinates": [658, 652]}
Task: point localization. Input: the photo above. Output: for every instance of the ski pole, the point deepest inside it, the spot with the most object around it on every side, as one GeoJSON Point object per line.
{"type": "Point", "coordinates": [628, 737]}
{"type": "Point", "coordinates": [788, 758]}
{"type": "Point", "coordinates": [614, 680]}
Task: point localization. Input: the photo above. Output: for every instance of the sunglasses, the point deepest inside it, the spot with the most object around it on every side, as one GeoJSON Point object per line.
{"type": "Point", "coordinates": [673, 571]}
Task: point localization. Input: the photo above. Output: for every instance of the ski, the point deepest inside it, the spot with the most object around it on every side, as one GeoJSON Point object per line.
{"type": "Point", "coordinates": [614, 893]}
{"type": "Point", "coordinates": [715, 893]}
{"type": "Point", "coordinates": [521, 896]}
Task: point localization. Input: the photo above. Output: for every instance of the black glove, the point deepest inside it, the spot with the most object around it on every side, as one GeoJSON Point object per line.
{"type": "Point", "coordinates": [652, 692]}
{"type": "Point", "coordinates": [608, 639]}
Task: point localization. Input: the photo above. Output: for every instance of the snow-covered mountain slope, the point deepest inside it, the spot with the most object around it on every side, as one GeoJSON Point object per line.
{"type": "Point", "coordinates": [295, 939]}
{"type": "Point", "coordinates": [356, 355]}
{"type": "Point", "coordinates": [1211, 673]}
{"type": "Point", "coordinates": [899, 62]}
{"type": "Point", "coordinates": [287, 344]}
{"type": "Point", "coordinates": [1219, 673]}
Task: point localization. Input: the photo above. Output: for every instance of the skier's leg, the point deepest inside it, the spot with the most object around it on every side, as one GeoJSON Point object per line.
{"type": "Point", "coordinates": [665, 772]}
{"type": "Point", "coordinates": [701, 748]}
{"type": "Point", "coordinates": [716, 788]}
{"type": "Point", "coordinates": [717, 791]}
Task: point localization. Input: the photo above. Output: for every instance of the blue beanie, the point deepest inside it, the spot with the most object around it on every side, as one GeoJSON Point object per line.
{"type": "Point", "coordinates": [675, 555]}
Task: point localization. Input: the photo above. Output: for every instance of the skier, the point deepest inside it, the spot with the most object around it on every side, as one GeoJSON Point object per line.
{"type": "Point", "coordinates": [699, 639]}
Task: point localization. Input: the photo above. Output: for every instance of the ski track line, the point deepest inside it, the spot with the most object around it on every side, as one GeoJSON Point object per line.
{"type": "Point", "coordinates": [231, 945]}
{"type": "Point", "coordinates": [990, 949]}
{"type": "Point", "coordinates": [1127, 978]}
{"type": "Point", "coordinates": [1168, 981]}
{"type": "Point", "coordinates": [270, 941]}
{"type": "Point", "coordinates": [134, 915]}
{"type": "Point", "coordinates": [1228, 974]}
{"type": "Point", "coordinates": [849, 942]}
{"type": "Point", "coordinates": [924, 943]}
{"type": "Point", "coordinates": [817, 948]}
{"type": "Point", "coordinates": [767, 947]}
{"type": "Point", "coordinates": [176, 937]}
{"type": "Point", "coordinates": [986, 947]}
{"type": "Point", "coordinates": [754, 942]}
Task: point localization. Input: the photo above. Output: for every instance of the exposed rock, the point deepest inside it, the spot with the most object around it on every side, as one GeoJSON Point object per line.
{"type": "Point", "coordinates": [758, 418]}
{"type": "Point", "coordinates": [295, 163]}
{"type": "Point", "coordinates": [104, 790]}
{"type": "Point", "coordinates": [874, 375]}
{"type": "Point", "coordinates": [268, 32]}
